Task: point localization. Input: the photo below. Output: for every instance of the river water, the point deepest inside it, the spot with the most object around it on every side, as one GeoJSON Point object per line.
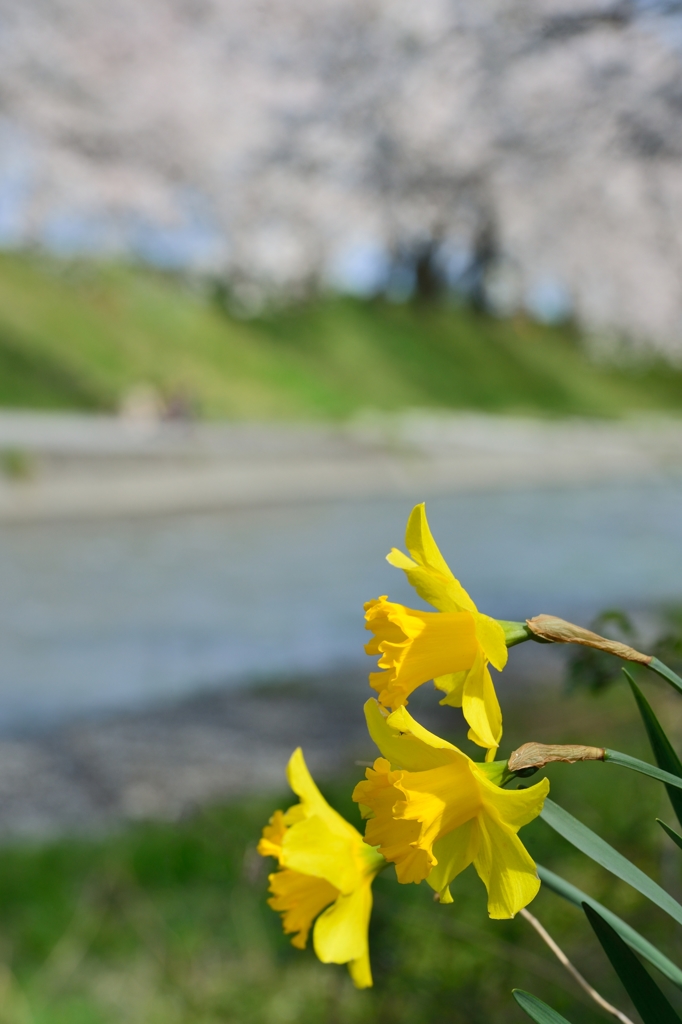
{"type": "Point", "coordinates": [115, 614]}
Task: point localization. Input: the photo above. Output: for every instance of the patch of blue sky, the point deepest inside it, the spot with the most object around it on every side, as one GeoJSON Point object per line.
{"type": "Point", "coordinates": [360, 268]}
{"type": "Point", "coordinates": [548, 300]}
{"type": "Point", "coordinates": [194, 240]}
{"type": "Point", "coordinates": [69, 232]}
{"type": "Point", "coordinates": [662, 18]}
{"type": "Point", "coordinates": [16, 184]}
{"type": "Point", "coordinates": [454, 260]}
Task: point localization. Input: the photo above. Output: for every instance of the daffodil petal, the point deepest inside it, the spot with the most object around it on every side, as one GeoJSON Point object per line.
{"type": "Point", "coordinates": [313, 849]}
{"type": "Point", "coordinates": [452, 685]}
{"type": "Point", "coordinates": [454, 852]}
{"type": "Point", "coordinates": [430, 587]}
{"type": "Point", "coordinates": [491, 638]}
{"type": "Point", "coordinates": [423, 548]}
{"type": "Point", "coordinates": [312, 801]}
{"type": "Point", "coordinates": [506, 869]}
{"type": "Point", "coordinates": [270, 844]}
{"type": "Point", "coordinates": [431, 577]}
{"type": "Point", "coordinates": [340, 933]}
{"type": "Point", "coordinates": [400, 560]}
{"type": "Point", "coordinates": [404, 742]}
{"type": "Point", "coordinates": [481, 707]}
{"type": "Point", "coordinates": [361, 972]}
{"type": "Point", "coordinates": [516, 807]}
{"type": "Point", "coordinates": [299, 898]}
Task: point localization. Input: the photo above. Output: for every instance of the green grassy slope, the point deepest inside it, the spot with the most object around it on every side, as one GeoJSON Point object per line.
{"type": "Point", "coordinates": [76, 335]}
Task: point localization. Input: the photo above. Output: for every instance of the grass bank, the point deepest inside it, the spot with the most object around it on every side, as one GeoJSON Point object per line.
{"type": "Point", "coordinates": [167, 924]}
{"type": "Point", "coordinates": [78, 335]}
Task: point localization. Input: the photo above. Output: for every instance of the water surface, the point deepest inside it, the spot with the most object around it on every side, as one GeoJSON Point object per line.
{"type": "Point", "coordinates": [113, 614]}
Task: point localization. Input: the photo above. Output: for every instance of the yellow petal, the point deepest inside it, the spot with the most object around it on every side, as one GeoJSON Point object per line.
{"type": "Point", "coordinates": [423, 548]}
{"type": "Point", "coordinates": [313, 849]}
{"type": "Point", "coordinates": [513, 807]}
{"type": "Point", "coordinates": [506, 869]}
{"type": "Point", "coordinates": [452, 685]}
{"type": "Point", "coordinates": [361, 972]}
{"type": "Point", "coordinates": [299, 898]}
{"type": "Point", "coordinates": [340, 933]}
{"type": "Point", "coordinates": [312, 801]}
{"type": "Point", "coordinates": [481, 707]}
{"type": "Point", "coordinates": [454, 852]}
{"type": "Point", "coordinates": [404, 742]}
{"type": "Point", "coordinates": [491, 638]}
{"type": "Point", "coordinates": [429, 574]}
{"type": "Point", "coordinates": [270, 844]}
{"type": "Point", "coordinates": [400, 560]}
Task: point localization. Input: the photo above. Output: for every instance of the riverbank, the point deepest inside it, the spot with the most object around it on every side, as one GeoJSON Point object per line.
{"type": "Point", "coordinates": [167, 760]}
{"type": "Point", "coordinates": [92, 335]}
{"type": "Point", "coordinates": [77, 466]}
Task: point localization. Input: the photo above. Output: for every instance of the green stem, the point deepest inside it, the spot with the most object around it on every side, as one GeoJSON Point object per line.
{"type": "Point", "coordinates": [517, 633]}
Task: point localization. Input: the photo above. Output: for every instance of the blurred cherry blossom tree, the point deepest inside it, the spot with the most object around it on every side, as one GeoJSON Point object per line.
{"type": "Point", "coordinates": [528, 151]}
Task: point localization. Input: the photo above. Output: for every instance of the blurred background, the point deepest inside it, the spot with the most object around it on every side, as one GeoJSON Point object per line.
{"type": "Point", "coordinates": [270, 274]}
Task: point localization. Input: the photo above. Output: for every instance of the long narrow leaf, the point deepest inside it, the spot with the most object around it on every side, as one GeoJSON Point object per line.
{"type": "Point", "coordinates": [636, 941]}
{"type": "Point", "coordinates": [666, 673]}
{"type": "Point", "coordinates": [651, 1004]}
{"type": "Point", "coordinates": [599, 850]}
{"type": "Point", "coordinates": [675, 836]}
{"type": "Point", "coordinates": [538, 1011]}
{"type": "Point", "coordinates": [664, 752]}
{"type": "Point", "coordinates": [644, 768]}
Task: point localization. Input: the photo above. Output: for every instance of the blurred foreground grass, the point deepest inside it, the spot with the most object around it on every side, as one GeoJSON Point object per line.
{"type": "Point", "coordinates": [168, 923]}
{"type": "Point", "coordinates": [81, 335]}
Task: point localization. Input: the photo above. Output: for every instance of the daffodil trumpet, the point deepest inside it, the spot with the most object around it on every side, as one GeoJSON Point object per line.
{"type": "Point", "coordinates": [326, 870]}
{"type": "Point", "coordinates": [432, 812]}
{"type": "Point", "coordinates": [453, 646]}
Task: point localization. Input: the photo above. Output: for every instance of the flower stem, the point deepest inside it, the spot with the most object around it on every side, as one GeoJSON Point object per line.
{"type": "Point", "coordinates": [516, 632]}
{"type": "Point", "coordinates": [573, 971]}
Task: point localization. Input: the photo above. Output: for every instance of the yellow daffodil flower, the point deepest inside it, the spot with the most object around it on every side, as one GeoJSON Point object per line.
{"type": "Point", "coordinates": [324, 862]}
{"type": "Point", "coordinates": [433, 811]}
{"type": "Point", "coordinates": [452, 646]}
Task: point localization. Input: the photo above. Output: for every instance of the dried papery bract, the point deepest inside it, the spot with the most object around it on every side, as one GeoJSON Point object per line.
{"type": "Point", "coordinates": [558, 631]}
{"type": "Point", "coordinates": [537, 755]}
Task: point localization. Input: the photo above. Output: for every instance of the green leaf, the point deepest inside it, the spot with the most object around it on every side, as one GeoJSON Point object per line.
{"type": "Point", "coordinates": [538, 1011]}
{"type": "Point", "coordinates": [643, 767]}
{"type": "Point", "coordinates": [634, 939]}
{"type": "Point", "coordinates": [666, 673]}
{"type": "Point", "coordinates": [651, 1004]}
{"type": "Point", "coordinates": [599, 850]}
{"type": "Point", "coordinates": [663, 749]}
{"type": "Point", "coordinates": [675, 836]}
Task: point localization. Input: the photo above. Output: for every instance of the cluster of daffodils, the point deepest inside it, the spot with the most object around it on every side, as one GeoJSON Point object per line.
{"type": "Point", "coordinates": [430, 810]}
